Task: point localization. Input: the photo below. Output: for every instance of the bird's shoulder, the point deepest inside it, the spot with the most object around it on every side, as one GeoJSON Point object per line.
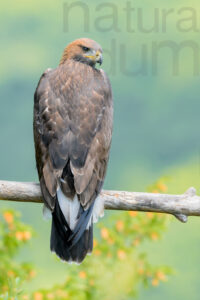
{"type": "Point", "coordinates": [72, 75]}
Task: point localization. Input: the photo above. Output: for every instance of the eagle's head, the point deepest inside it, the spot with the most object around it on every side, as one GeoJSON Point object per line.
{"type": "Point", "coordinates": [84, 50]}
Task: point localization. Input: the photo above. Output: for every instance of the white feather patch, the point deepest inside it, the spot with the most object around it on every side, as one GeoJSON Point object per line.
{"type": "Point", "coordinates": [69, 208]}
{"type": "Point", "coordinates": [46, 213]}
{"type": "Point", "coordinates": [98, 211]}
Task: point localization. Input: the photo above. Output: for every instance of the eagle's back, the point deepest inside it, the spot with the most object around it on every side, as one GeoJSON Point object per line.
{"type": "Point", "coordinates": [72, 131]}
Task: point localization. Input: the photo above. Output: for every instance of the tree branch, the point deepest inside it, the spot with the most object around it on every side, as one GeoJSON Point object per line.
{"type": "Point", "coordinates": [181, 206]}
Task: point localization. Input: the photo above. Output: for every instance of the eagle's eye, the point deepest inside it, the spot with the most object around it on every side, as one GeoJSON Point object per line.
{"type": "Point", "coordinates": [85, 48]}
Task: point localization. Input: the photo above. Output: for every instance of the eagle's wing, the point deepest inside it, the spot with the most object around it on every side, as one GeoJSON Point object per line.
{"type": "Point", "coordinates": [72, 130]}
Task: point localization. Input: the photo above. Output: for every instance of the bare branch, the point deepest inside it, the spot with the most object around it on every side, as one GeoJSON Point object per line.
{"type": "Point", "coordinates": [181, 206]}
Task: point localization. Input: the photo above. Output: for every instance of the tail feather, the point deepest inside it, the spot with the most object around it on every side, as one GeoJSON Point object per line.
{"type": "Point", "coordinates": [58, 244]}
{"type": "Point", "coordinates": [81, 225]}
{"type": "Point", "coordinates": [83, 247]}
{"type": "Point", "coordinates": [72, 230]}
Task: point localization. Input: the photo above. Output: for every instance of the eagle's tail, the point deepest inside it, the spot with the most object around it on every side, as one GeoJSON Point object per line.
{"type": "Point", "coordinates": [72, 228]}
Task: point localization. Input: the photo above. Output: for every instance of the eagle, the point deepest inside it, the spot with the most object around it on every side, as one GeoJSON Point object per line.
{"type": "Point", "coordinates": [73, 117]}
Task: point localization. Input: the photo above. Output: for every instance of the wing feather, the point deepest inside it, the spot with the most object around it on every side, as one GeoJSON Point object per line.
{"type": "Point", "coordinates": [72, 129]}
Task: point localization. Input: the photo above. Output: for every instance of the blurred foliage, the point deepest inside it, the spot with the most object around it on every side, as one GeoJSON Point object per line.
{"type": "Point", "coordinates": [115, 270]}
{"type": "Point", "coordinates": [13, 235]}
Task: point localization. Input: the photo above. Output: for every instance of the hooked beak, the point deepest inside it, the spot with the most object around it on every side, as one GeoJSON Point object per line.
{"type": "Point", "coordinates": [96, 57]}
{"type": "Point", "coordinates": [99, 57]}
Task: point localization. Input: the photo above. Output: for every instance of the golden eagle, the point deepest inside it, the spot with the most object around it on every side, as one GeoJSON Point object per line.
{"type": "Point", "coordinates": [73, 115]}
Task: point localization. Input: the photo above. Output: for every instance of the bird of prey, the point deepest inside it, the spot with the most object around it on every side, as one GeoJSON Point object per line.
{"type": "Point", "coordinates": [73, 115]}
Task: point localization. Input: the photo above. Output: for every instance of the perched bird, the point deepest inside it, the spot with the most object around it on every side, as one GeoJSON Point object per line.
{"type": "Point", "coordinates": [73, 115]}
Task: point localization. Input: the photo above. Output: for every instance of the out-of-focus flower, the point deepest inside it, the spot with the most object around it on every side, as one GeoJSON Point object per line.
{"type": "Point", "coordinates": [104, 233]}
{"type": "Point", "coordinates": [97, 252]}
{"type": "Point", "coordinates": [140, 271]}
{"type": "Point", "coordinates": [161, 276]}
{"type": "Point", "coordinates": [10, 273]}
{"type": "Point", "coordinates": [150, 215]}
{"type": "Point", "coordinates": [26, 235]}
{"type": "Point", "coordinates": [155, 191]}
{"type": "Point", "coordinates": [8, 216]}
{"type": "Point", "coordinates": [19, 235]}
{"type": "Point", "coordinates": [23, 235]}
{"type": "Point", "coordinates": [133, 213]}
{"type": "Point", "coordinates": [120, 226]}
{"type": "Point", "coordinates": [95, 243]}
{"type": "Point", "coordinates": [121, 254]}
{"type": "Point", "coordinates": [38, 296]}
{"type": "Point", "coordinates": [162, 187]}
{"type": "Point", "coordinates": [154, 236]}
{"type": "Point", "coordinates": [32, 274]}
{"type": "Point", "coordinates": [155, 282]}
{"type": "Point", "coordinates": [82, 274]}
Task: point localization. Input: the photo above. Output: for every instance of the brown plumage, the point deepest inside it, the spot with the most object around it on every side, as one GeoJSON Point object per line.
{"type": "Point", "coordinates": [72, 132]}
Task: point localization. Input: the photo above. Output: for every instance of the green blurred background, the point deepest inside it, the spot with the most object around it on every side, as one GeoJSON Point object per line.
{"type": "Point", "coordinates": [156, 121]}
